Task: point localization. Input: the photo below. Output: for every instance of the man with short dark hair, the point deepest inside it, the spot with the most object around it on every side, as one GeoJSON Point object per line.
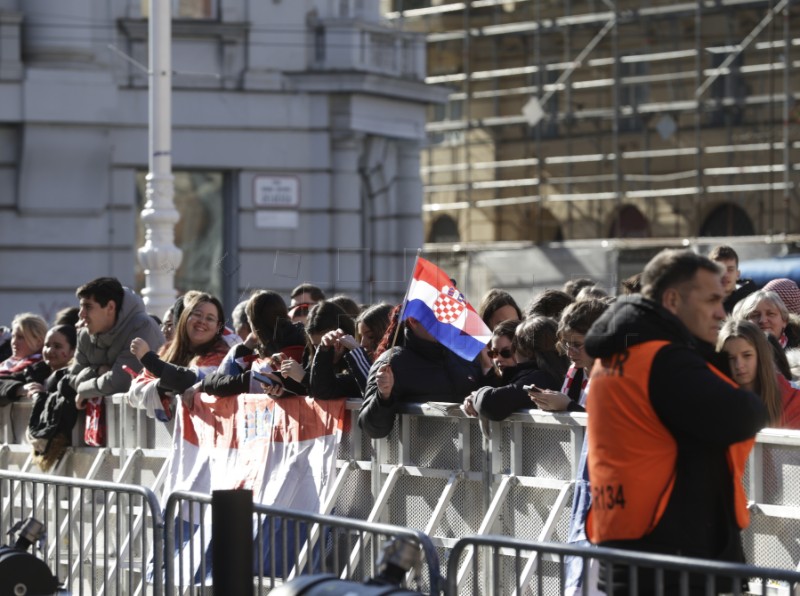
{"type": "Point", "coordinates": [239, 320]}
{"type": "Point", "coordinates": [303, 297]}
{"type": "Point", "coordinates": [669, 433]}
{"type": "Point", "coordinates": [112, 316]}
{"type": "Point", "coordinates": [727, 258]}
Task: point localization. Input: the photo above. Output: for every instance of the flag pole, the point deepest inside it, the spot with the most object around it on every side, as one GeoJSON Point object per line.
{"type": "Point", "coordinates": [405, 299]}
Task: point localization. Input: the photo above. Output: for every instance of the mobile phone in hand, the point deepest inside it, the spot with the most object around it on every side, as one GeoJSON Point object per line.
{"type": "Point", "coordinates": [531, 389]}
{"type": "Point", "coordinates": [262, 378]}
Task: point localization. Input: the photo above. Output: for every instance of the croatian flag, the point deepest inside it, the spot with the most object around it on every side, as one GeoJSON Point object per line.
{"type": "Point", "coordinates": [436, 303]}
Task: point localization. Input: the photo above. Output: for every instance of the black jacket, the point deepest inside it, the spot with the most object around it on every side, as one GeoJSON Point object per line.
{"type": "Point", "coordinates": [498, 403]}
{"type": "Point", "coordinates": [744, 289]}
{"type": "Point", "coordinates": [423, 371]}
{"type": "Point", "coordinates": [220, 384]}
{"type": "Point", "coordinates": [325, 382]}
{"type": "Point", "coordinates": [704, 414]}
{"type": "Point", "coordinates": [10, 384]}
{"type": "Point", "coordinates": [54, 408]}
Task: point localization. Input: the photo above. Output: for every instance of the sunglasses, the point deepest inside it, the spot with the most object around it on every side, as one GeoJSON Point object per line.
{"type": "Point", "coordinates": [299, 310]}
{"type": "Point", "coordinates": [504, 353]}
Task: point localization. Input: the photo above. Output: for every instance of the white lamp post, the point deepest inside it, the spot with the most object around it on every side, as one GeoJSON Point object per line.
{"type": "Point", "coordinates": [159, 256]}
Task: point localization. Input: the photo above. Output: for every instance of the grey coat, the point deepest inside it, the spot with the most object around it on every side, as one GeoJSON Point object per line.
{"type": "Point", "coordinates": [112, 349]}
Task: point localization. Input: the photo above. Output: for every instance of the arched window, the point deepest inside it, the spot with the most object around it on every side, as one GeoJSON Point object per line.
{"type": "Point", "coordinates": [727, 220]}
{"type": "Point", "coordinates": [541, 226]}
{"type": "Point", "coordinates": [444, 229]}
{"type": "Point", "coordinates": [629, 222]}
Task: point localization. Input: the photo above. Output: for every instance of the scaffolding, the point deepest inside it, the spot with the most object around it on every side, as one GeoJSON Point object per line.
{"type": "Point", "coordinates": [577, 119]}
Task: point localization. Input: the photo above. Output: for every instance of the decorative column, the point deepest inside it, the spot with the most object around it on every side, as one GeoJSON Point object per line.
{"type": "Point", "coordinates": [407, 208]}
{"type": "Point", "coordinates": [159, 256]}
{"type": "Point", "coordinates": [408, 211]}
{"type": "Point", "coordinates": [347, 233]}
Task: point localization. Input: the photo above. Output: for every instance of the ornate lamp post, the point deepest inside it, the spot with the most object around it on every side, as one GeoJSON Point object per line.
{"type": "Point", "coordinates": [159, 256]}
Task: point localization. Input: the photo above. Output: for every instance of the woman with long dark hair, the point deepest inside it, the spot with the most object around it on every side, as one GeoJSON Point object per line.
{"type": "Point", "coordinates": [197, 349]}
{"type": "Point", "coordinates": [537, 363]}
{"type": "Point", "coordinates": [340, 346]}
{"type": "Point", "coordinates": [273, 338]}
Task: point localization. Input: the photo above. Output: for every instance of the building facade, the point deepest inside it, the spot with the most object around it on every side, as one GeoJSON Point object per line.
{"type": "Point", "coordinates": [297, 128]}
{"type": "Point", "coordinates": [581, 119]}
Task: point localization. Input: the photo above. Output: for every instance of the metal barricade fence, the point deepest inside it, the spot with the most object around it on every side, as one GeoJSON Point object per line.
{"type": "Point", "coordinates": [100, 536]}
{"type": "Point", "coordinates": [499, 565]}
{"type": "Point", "coordinates": [287, 544]}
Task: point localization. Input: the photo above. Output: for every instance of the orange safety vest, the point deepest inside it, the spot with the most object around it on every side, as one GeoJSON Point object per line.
{"type": "Point", "coordinates": [632, 454]}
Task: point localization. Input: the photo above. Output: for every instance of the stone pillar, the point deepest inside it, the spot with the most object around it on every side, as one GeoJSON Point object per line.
{"type": "Point", "coordinates": [406, 215]}
{"type": "Point", "coordinates": [409, 196]}
{"type": "Point", "coordinates": [349, 256]}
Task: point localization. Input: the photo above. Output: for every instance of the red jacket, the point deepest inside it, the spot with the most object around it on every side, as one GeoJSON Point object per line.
{"type": "Point", "coordinates": [790, 404]}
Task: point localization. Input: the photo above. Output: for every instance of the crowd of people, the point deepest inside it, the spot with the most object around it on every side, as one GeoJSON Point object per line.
{"type": "Point", "coordinates": [685, 335]}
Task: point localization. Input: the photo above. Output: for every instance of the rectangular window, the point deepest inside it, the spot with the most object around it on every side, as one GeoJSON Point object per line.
{"type": "Point", "coordinates": [199, 233]}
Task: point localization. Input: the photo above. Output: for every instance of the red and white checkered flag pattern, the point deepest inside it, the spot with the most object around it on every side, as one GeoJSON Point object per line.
{"type": "Point", "coordinates": [447, 309]}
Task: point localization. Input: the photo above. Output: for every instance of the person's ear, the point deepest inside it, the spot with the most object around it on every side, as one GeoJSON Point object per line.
{"type": "Point", "coordinates": [671, 299]}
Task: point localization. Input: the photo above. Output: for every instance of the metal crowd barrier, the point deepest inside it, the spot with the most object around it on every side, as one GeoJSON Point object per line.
{"type": "Point", "coordinates": [100, 536]}
{"type": "Point", "coordinates": [536, 568]}
{"type": "Point", "coordinates": [439, 473]}
{"type": "Point", "coordinates": [287, 544]}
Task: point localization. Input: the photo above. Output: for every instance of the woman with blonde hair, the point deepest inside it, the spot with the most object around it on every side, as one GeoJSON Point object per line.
{"type": "Point", "coordinates": [27, 340]}
{"type": "Point", "coordinates": [753, 367]}
{"type": "Point", "coordinates": [25, 365]}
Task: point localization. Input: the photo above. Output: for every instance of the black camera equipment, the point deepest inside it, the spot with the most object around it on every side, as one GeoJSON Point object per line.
{"type": "Point", "coordinates": [398, 557]}
{"type": "Point", "coordinates": [20, 571]}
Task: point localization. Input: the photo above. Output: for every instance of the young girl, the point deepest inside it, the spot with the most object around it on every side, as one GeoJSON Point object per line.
{"type": "Point", "coordinates": [753, 368]}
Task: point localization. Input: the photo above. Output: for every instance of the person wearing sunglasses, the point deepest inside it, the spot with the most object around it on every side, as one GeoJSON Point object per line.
{"type": "Point", "coordinates": [537, 362]}
{"type": "Point", "coordinates": [303, 297]}
{"type": "Point", "coordinates": [501, 349]}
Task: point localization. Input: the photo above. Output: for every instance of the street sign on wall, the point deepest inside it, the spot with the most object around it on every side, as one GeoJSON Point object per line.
{"type": "Point", "coordinates": [279, 192]}
{"type": "Point", "coordinates": [277, 200]}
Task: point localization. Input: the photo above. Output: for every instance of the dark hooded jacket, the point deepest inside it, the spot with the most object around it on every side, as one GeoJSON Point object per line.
{"type": "Point", "coordinates": [112, 349]}
{"type": "Point", "coordinates": [744, 288]}
{"type": "Point", "coordinates": [11, 384]}
{"type": "Point", "coordinates": [704, 414]}
{"type": "Point", "coordinates": [423, 371]}
{"type": "Point", "coordinates": [54, 408]}
{"type": "Point", "coordinates": [498, 403]}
